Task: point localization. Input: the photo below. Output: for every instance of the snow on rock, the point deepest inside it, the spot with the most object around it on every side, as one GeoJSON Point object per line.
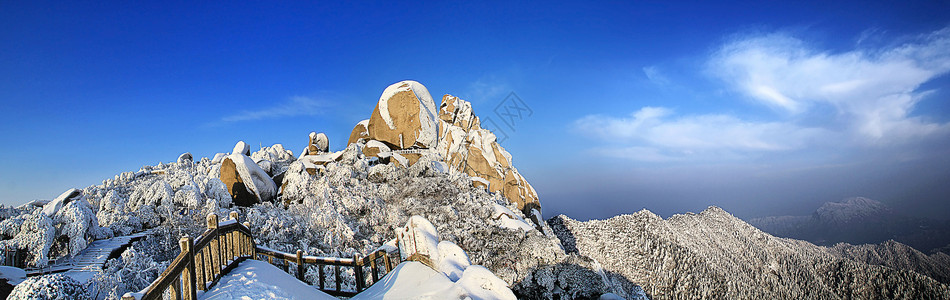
{"type": "Point", "coordinates": [374, 148]}
{"type": "Point", "coordinates": [467, 147]}
{"type": "Point", "coordinates": [452, 260]}
{"type": "Point", "coordinates": [413, 280]}
{"type": "Point", "coordinates": [241, 148]}
{"type": "Point", "coordinates": [318, 143]}
{"type": "Point", "coordinates": [275, 153]}
{"type": "Point", "coordinates": [54, 286]}
{"type": "Point", "coordinates": [246, 181]}
{"type": "Point", "coordinates": [360, 132]}
{"type": "Point", "coordinates": [477, 282]}
{"type": "Point", "coordinates": [254, 279]}
{"type": "Point", "coordinates": [509, 219]}
{"type": "Point", "coordinates": [52, 207]}
{"type": "Point", "coordinates": [404, 117]}
{"type": "Point", "coordinates": [419, 236]}
{"type": "Point", "coordinates": [218, 158]}
{"type": "Point", "coordinates": [185, 157]}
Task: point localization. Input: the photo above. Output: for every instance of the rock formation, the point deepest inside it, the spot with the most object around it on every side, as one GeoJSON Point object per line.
{"type": "Point", "coordinates": [405, 126]}
{"type": "Point", "coordinates": [468, 148]}
{"type": "Point", "coordinates": [360, 132]}
{"type": "Point", "coordinates": [247, 182]}
{"type": "Point", "coordinates": [404, 117]}
{"type": "Point", "coordinates": [319, 143]}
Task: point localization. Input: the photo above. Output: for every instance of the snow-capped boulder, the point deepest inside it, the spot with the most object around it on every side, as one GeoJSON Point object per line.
{"type": "Point", "coordinates": [54, 206]}
{"type": "Point", "coordinates": [218, 157]}
{"type": "Point", "coordinates": [185, 157]}
{"type": "Point", "coordinates": [404, 117]}
{"type": "Point", "coordinates": [420, 238]}
{"type": "Point", "coordinates": [359, 132]}
{"type": "Point", "coordinates": [275, 153]}
{"type": "Point", "coordinates": [241, 148]}
{"type": "Point", "coordinates": [319, 143]}
{"type": "Point", "coordinates": [246, 181]}
{"type": "Point", "coordinates": [466, 147]}
{"type": "Point", "coordinates": [373, 148]}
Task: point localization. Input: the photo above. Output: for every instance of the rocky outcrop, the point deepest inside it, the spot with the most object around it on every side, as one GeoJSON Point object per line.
{"type": "Point", "coordinates": [318, 143]}
{"type": "Point", "coordinates": [360, 132]}
{"type": "Point", "coordinates": [404, 117]}
{"type": "Point", "coordinates": [468, 148]}
{"type": "Point", "coordinates": [247, 182]}
{"type": "Point", "coordinates": [714, 255]}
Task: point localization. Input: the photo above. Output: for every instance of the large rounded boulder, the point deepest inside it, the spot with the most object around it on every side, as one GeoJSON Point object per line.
{"type": "Point", "coordinates": [404, 117]}
{"type": "Point", "coordinates": [247, 183]}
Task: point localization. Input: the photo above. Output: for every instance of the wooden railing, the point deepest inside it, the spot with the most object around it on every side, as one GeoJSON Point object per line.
{"type": "Point", "coordinates": [202, 262]}
{"type": "Point", "coordinates": [379, 263]}
{"type": "Point", "coordinates": [223, 246]}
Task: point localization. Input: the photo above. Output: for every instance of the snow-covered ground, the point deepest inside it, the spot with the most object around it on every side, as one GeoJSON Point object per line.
{"type": "Point", "coordinates": [254, 279]}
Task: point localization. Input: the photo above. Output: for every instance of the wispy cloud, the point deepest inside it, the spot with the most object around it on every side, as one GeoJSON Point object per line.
{"type": "Point", "coordinates": [872, 92]}
{"type": "Point", "coordinates": [657, 134]}
{"type": "Point", "coordinates": [655, 76]}
{"type": "Point", "coordinates": [294, 106]}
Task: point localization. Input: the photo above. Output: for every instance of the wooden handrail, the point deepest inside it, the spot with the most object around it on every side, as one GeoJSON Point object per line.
{"type": "Point", "coordinates": [224, 245]}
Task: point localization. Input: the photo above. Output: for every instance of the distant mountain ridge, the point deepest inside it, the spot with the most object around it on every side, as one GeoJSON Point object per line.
{"type": "Point", "coordinates": [859, 220]}
{"type": "Point", "coordinates": [714, 255]}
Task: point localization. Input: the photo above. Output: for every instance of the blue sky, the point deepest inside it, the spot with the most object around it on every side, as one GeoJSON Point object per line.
{"type": "Point", "coordinates": [759, 107]}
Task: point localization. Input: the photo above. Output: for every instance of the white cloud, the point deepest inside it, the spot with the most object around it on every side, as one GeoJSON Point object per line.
{"type": "Point", "coordinates": [295, 106]}
{"type": "Point", "coordinates": [872, 93]}
{"type": "Point", "coordinates": [872, 90]}
{"type": "Point", "coordinates": [657, 135]}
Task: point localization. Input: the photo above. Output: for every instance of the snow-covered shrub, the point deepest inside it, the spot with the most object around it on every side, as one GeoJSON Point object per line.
{"type": "Point", "coordinates": [79, 224]}
{"type": "Point", "coordinates": [53, 286]}
{"type": "Point", "coordinates": [131, 272]}
{"type": "Point", "coordinates": [34, 232]}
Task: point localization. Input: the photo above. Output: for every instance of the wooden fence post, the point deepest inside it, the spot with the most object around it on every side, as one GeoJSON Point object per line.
{"type": "Point", "coordinates": [322, 276]}
{"type": "Point", "coordinates": [216, 245]}
{"type": "Point", "coordinates": [372, 266]}
{"type": "Point", "coordinates": [387, 262]}
{"type": "Point", "coordinates": [231, 237]}
{"type": "Point", "coordinates": [187, 246]}
{"type": "Point", "coordinates": [250, 242]}
{"type": "Point", "coordinates": [358, 272]}
{"type": "Point", "coordinates": [300, 265]}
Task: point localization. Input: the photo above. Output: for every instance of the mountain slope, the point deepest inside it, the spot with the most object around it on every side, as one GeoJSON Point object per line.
{"type": "Point", "coordinates": [716, 255]}
{"type": "Point", "coordinates": [858, 220]}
